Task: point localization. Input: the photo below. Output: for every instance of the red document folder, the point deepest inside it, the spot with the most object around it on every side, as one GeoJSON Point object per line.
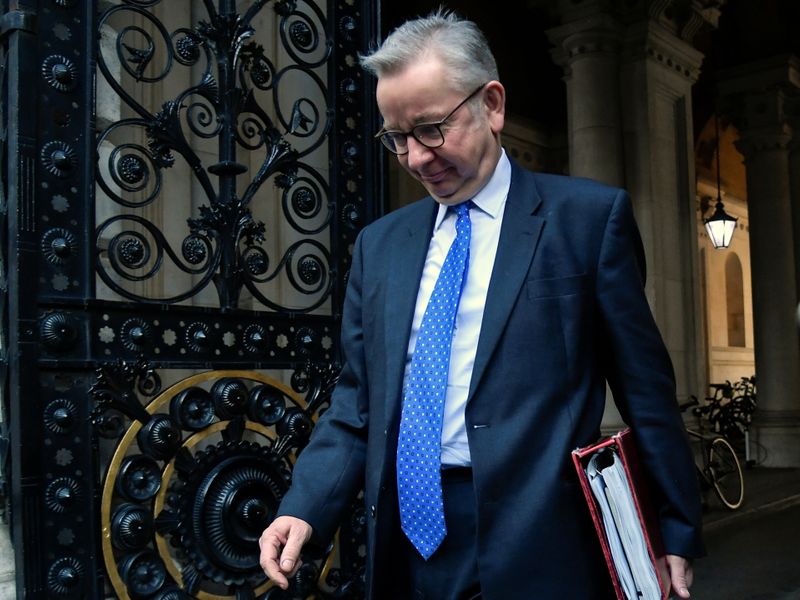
{"type": "Point", "coordinates": [624, 445]}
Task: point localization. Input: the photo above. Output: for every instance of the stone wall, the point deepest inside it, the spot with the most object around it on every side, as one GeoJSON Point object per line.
{"type": "Point", "coordinates": [7, 584]}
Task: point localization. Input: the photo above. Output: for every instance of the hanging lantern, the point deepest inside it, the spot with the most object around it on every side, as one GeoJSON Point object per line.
{"type": "Point", "coordinates": [720, 226]}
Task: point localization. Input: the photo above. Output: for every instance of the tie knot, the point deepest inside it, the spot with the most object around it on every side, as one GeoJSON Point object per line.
{"type": "Point", "coordinates": [462, 210]}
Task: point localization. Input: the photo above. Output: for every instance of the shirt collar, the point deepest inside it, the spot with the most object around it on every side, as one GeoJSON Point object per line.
{"type": "Point", "coordinates": [492, 196]}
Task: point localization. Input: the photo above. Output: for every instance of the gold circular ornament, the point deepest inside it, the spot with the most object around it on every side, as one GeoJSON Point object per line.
{"type": "Point", "coordinates": [195, 478]}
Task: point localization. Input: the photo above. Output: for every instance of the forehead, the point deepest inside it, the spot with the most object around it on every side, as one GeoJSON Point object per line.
{"type": "Point", "coordinates": [420, 92]}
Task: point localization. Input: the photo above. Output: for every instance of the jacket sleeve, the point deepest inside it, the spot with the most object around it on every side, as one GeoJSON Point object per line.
{"type": "Point", "coordinates": [640, 375]}
{"type": "Point", "coordinates": [330, 470]}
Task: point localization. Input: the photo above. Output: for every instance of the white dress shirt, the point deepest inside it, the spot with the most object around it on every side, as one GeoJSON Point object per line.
{"type": "Point", "coordinates": [486, 218]}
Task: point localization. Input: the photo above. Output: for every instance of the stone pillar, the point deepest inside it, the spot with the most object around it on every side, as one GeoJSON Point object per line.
{"type": "Point", "coordinates": [588, 50]}
{"type": "Point", "coordinates": [757, 93]}
{"type": "Point", "coordinates": [658, 70]}
{"type": "Point", "coordinates": [629, 70]}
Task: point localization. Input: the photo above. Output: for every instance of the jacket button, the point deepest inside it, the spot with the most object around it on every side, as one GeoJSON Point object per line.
{"type": "Point", "coordinates": [372, 511]}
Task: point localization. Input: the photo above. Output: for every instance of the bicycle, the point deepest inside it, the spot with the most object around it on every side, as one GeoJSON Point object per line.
{"type": "Point", "coordinates": [720, 469]}
{"type": "Point", "coordinates": [729, 409]}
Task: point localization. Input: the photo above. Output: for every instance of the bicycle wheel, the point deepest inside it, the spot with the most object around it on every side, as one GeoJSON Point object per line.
{"type": "Point", "coordinates": [725, 473]}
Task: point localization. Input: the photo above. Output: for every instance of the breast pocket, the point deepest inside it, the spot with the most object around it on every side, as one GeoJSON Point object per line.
{"type": "Point", "coordinates": [558, 286]}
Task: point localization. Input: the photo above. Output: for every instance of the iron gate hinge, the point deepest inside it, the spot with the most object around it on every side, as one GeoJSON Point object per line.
{"type": "Point", "coordinates": [17, 20]}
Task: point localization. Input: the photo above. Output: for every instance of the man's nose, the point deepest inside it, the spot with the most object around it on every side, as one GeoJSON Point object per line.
{"type": "Point", "coordinates": [418, 154]}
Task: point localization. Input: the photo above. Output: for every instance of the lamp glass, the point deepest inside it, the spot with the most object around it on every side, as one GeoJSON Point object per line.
{"type": "Point", "coordinates": [720, 227]}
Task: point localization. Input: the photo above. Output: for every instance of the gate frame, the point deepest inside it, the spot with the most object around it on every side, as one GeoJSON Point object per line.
{"type": "Point", "coordinates": [53, 336]}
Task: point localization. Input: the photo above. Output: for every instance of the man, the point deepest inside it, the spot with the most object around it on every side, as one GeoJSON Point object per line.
{"type": "Point", "coordinates": [545, 288]}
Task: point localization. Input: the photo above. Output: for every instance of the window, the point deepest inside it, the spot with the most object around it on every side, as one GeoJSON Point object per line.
{"type": "Point", "coordinates": [734, 296]}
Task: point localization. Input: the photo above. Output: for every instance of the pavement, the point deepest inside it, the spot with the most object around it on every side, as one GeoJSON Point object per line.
{"type": "Point", "coordinates": [753, 552]}
{"type": "Point", "coordinates": [765, 490]}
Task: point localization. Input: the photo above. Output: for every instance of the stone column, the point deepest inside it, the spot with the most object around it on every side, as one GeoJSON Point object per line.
{"type": "Point", "coordinates": [588, 50]}
{"type": "Point", "coordinates": [629, 70]}
{"type": "Point", "coordinates": [658, 70]}
{"type": "Point", "coordinates": [757, 94]}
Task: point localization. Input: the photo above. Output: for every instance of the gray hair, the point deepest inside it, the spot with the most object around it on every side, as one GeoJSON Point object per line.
{"type": "Point", "coordinates": [456, 41]}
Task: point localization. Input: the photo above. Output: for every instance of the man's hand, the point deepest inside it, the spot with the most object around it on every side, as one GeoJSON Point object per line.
{"type": "Point", "coordinates": [681, 575]}
{"type": "Point", "coordinates": [280, 546]}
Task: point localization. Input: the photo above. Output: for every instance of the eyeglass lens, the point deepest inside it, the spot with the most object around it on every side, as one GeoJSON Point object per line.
{"type": "Point", "coordinates": [426, 134]}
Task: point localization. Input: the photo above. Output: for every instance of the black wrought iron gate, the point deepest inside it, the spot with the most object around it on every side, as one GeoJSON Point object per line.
{"type": "Point", "coordinates": [182, 184]}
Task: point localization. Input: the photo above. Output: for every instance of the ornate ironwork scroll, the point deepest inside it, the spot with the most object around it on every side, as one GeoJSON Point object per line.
{"type": "Point", "coordinates": [249, 106]}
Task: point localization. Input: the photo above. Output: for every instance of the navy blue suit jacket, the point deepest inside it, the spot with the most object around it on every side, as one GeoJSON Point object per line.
{"type": "Point", "coordinates": [565, 313]}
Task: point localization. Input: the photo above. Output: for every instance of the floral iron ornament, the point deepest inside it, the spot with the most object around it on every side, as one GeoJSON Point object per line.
{"type": "Point", "coordinates": [236, 81]}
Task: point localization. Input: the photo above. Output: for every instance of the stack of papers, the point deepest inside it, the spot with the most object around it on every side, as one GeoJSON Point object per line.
{"type": "Point", "coordinates": [623, 529]}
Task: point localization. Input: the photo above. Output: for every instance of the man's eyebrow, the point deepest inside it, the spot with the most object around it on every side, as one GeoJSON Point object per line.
{"type": "Point", "coordinates": [421, 119]}
{"type": "Point", "coordinates": [427, 118]}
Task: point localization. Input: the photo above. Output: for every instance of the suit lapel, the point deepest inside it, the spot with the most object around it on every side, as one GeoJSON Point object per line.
{"type": "Point", "coordinates": [409, 249]}
{"type": "Point", "coordinates": [519, 237]}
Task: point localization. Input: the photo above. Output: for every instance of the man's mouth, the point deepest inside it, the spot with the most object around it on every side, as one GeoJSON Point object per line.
{"type": "Point", "coordinates": [434, 177]}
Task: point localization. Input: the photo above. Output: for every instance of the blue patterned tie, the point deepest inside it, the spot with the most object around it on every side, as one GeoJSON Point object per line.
{"type": "Point", "coordinates": [419, 482]}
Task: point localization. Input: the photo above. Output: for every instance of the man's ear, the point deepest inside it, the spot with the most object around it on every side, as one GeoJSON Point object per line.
{"type": "Point", "coordinates": [494, 100]}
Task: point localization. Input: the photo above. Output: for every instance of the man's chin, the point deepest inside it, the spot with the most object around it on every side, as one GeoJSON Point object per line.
{"type": "Point", "coordinates": [444, 195]}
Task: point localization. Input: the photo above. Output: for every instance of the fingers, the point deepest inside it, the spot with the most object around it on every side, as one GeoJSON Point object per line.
{"type": "Point", "coordinates": [271, 544]}
{"type": "Point", "coordinates": [290, 557]}
{"type": "Point", "coordinates": [681, 575]}
{"type": "Point", "coordinates": [281, 544]}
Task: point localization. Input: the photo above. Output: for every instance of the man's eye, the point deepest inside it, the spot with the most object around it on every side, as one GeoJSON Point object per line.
{"type": "Point", "coordinates": [427, 133]}
{"type": "Point", "coordinates": [395, 136]}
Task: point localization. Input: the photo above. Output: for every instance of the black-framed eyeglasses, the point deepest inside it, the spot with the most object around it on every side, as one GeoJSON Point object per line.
{"type": "Point", "coordinates": [429, 135]}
